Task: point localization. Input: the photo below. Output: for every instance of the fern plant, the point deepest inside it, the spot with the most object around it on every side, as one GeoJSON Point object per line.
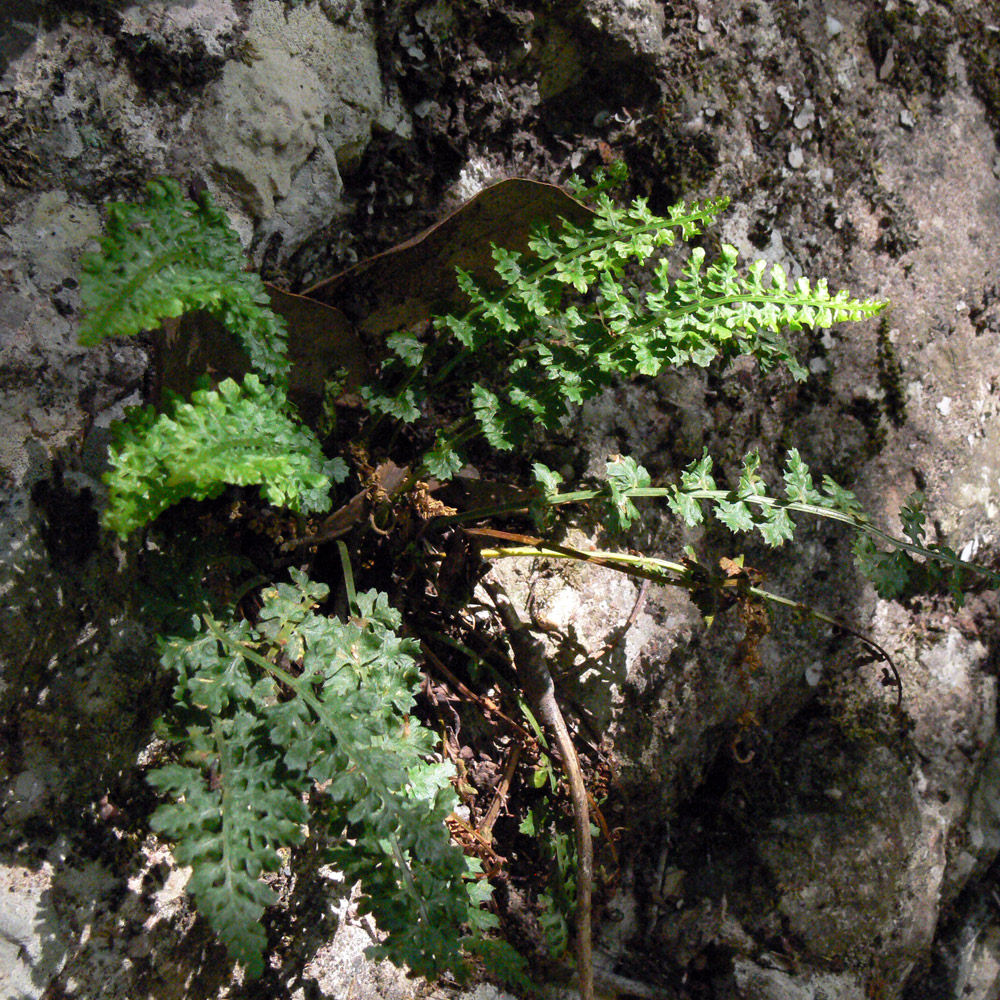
{"type": "Point", "coordinates": [169, 256]}
{"type": "Point", "coordinates": [239, 435]}
{"type": "Point", "coordinates": [345, 730]}
{"type": "Point", "coordinates": [288, 716]}
{"type": "Point", "coordinates": [571, 318]}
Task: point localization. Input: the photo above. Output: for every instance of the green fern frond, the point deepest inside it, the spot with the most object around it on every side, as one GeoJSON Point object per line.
{"type": "Point", "coordinates": [906, 566]}
{"type": "Point", "coordinates": [896, 574]}
{"type": "Point", "coordinates": [509, 329]}
{"type": "Point", "coordinates": [168, 256]}
{"type": "Point", "coordinates": [707, 313]}
{"type": "Point", "coordinates": [716, 311]}
{"type": "Point", "coordinates": [570, 319]}
{"type": "Point", "coordinates": [609, 179]}
{"type": "Point", "coordinates": [239, 435]}
{"type": "Point", "coordinates": [228, 821]}
{"type": "Point", "coordinates": [304, 701]}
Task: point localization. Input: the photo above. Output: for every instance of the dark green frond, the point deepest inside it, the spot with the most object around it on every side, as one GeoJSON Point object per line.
{"type": "Point", "coordinates": [345, 730]}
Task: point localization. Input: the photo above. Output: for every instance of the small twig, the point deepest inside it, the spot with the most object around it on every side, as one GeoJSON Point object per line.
{"type": "Point", "coordinates": [461, 829]}
{"type": "Point", "coordinates": [602, 823]}
{"type": "Point", "coordinates": [879, 655]}
{"type": "Point", "coordinates": [536, 681]}
{"type": "Point", "coordinates": [500, 797]}
{"type": "Point", "coordinates": [486, 704]}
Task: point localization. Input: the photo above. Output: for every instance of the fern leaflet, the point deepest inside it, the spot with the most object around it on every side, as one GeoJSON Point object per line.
{"type": "Point", "coordinates": [168, 256]}
{"type": "Point", "coordinates": [237, 434]}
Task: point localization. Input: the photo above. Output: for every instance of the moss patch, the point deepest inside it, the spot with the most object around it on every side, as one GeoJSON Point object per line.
{"type": "Point", "coordinates": [910, 50]}
{"type": "Point", "coordinates": [981, 51]}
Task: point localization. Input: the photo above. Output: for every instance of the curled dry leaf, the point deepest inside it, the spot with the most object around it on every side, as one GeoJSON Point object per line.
{"type": "Point", "coordinates": [416, 279]}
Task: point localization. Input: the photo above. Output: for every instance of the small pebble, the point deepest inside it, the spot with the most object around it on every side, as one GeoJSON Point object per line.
{"type": "Point", "coordinates": [806, 116]}
{"type": "Point", "coordinates": [944, 406]}
{"type": "Point", "coordinates": [795, 158]}
{"type": "Point", "coordinates": [885, 70]}
{"type": "Point", "coordinates": [906, 119]}
{"type": "Point", "coordinates": [969, 549]}
{"type": "Point", "coordinates": [704, 24]}
{"type": "Point", "coordinates": [833, 27]}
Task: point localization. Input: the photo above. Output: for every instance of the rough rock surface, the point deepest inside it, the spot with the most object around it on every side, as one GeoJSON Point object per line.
{"type": "Point", "coordinates": [856, 854]}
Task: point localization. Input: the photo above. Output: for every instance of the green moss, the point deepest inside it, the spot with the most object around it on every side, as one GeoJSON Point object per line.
{"type": "Point", "coordinates": [868, 413]}
{"type": "Point", "coordinates": [981, 51]}
{"type": "Point", "coordinates": [890, 377]}
{"type": "Point", "coordinates": [910, 50]}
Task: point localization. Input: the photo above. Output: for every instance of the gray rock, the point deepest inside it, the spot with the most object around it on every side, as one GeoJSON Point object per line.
{"type": "Point", "coordinates": [844, 828]}
{"type": "Point", "coordinates": [263, 124]}
{"type": "Point", "coordinates": [284, 123]}
{"type": "Point", "coordinates": [756, 983]}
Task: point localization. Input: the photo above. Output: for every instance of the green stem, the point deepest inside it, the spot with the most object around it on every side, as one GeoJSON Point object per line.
{"type": "Point", "coordinates": [411, 887]}
{"type": "Point", "coordinates": [647, 567]}
{"type": "Point", "coordinates": [345, 562]}
{"type": "Point", "coordinates": [860, 522]}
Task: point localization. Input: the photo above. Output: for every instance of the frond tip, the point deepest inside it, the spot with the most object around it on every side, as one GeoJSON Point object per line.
{"type": "Point", "coordinates": [167, 256]}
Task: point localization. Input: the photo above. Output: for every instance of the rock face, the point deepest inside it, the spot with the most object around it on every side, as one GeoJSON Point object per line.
{"type": "Point", "coordinates": [855, 854]}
